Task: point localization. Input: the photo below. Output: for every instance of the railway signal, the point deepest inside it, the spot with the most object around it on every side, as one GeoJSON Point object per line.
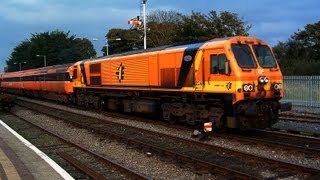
{"type": "Point", "coordinates": [141, 25]}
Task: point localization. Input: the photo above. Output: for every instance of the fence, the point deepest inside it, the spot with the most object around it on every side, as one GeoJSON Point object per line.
{"type": "Point", "coordinates": [303, 92]}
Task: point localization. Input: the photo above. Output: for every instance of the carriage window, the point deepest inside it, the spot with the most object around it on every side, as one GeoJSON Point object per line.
{"type": "Point", "coordinates": [218, 64]}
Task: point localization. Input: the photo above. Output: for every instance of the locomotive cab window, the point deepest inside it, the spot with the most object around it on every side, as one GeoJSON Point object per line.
{"type": "Point", "coordinates": [75, 74]}
{"type": "Point", "coordinates": [264, 56]}
{"type": "Point", "coordinates": [243, 55]}
{"type": "Point", "coordinates": [218, 64]}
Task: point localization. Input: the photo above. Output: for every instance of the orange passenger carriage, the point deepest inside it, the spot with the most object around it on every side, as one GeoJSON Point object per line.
{"type": "Point", "coordinates": [52, 82]}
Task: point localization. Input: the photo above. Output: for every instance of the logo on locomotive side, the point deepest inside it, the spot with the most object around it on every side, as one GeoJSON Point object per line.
{"type": "Point", "coordinates": [228, 85]}
{"type": "Point", "coordinates": [120, 72]}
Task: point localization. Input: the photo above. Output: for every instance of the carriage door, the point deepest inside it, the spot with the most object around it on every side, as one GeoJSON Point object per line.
{"type": "Point", "coordinates": [215, 70]}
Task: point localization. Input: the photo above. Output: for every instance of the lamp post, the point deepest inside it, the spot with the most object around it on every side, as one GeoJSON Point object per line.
{"type": "Point", "coordinates": [20, 68]}
{"type": "Point", "coordinates": [94, 40]}
{"type": "Point", "coordinates": [94, 44]}
{"type": "Point", "coordinates": [44, 59]}
{"type": "Point", "coordinates": [144, 24]}
{"type": "Point", "coordinates": [107, 43]}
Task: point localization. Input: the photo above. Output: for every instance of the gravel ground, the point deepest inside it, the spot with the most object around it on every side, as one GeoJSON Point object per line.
{"type": "Point", "coordinates": [312, 128]}
{"type": "Point", "coordinates": [138, 160]}
{"type": "Point", "coordinates": [297, 158]}
{"type": "Point", "coordinates": [306, 109]}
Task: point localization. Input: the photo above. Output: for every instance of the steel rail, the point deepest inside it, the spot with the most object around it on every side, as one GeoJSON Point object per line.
{"type": "Point", "coordinates": [128, 171]}
{"type": "Point", "coordinates": [216, 148]}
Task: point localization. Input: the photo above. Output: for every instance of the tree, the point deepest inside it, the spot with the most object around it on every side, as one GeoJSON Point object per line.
{"type": "Point", "coordinates": [300, 54]}
{"type": "Point", "coordinates": [20, 54]}
{"type": "Point", "coordinates": [172, 27]}
{"type": "Point", "coordinates": [58, 47]}
{"type": "Point", "coordinates": [200, 27]}
{"type": "Point", "coordinates": [130, 39]}
{"type": "Point", "coordinates": [162, 27]}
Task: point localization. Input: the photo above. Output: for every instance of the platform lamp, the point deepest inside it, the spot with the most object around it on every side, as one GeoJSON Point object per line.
{"type": "Point", "coordinates": [44, 59]}
{"type": "Point", "coordinates": [107, 43]}
{"type": "Point", "coordinates": [20, 64]}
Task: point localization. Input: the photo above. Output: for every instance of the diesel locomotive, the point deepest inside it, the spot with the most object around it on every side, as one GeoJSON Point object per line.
{"type": "Point", "coordinates": [232, 82]}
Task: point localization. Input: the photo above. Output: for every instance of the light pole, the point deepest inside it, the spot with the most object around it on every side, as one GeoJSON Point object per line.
{"type": "Point", "coordinates": [107, 43]}
{"type": "Point", "coordinates": [20, 64]}
{"type": "Point", "coordinates": [94, 40]}
{"type": "Point", "coordinates": [44, 59]}
{"type": "Point", "coordinates": [144, 24]}
{"type": "Point", "coordinates": [94, 43]}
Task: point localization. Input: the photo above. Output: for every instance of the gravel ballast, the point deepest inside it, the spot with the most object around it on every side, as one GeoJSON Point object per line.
{"type": "Point", "coordinates": [144, 162]}
{"type": "Point", "coordinates": [96, 142]}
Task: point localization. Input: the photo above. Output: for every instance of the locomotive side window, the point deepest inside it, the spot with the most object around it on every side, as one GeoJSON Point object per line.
{"type": "Point", "coordinates": [218, 63]}
{"type": "Point", "coordinates": [75, 74]}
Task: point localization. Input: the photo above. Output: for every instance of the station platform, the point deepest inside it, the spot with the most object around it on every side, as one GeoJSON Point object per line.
{"type": "Point", "coordinates": [19, 159]}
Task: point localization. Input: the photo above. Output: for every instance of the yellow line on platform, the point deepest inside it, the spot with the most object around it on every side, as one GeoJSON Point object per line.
{"type": "Point", "coordinates": [8, 167]}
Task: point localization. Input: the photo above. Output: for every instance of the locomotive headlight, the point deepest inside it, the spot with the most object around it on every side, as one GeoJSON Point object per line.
{"type": "Point", "coordinates": [266, 80]}
{"type": "Point", "coordinates": [277, 86]}
{"type": "Point", "coordinates": [247, 87]}
{"type": "Point", "coordinates": [263, 79]}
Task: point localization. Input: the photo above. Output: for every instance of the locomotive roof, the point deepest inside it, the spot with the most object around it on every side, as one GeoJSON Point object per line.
{"type": "Point", "coordinates": [166, 47]}
{"type": "Point", "coordinates": [192, 46]}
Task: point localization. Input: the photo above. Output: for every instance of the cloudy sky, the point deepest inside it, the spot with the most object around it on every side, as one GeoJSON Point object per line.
{"type": "Point", "coordinates": [272, 20]}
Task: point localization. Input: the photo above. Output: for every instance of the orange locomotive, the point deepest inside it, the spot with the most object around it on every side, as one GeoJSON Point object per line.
{"type": "Point", "coordinates": [232, 82]}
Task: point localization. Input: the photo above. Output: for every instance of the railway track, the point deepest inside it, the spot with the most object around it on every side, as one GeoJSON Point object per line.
{"type": "Point", "coordinates": [275, 139]}
{"type": "Point", "coordinates": [81, 162]}
{"type": "Point", "coordinates": [307, 118]}
{"type": "Point", "coordinates": [202, 157]}
{"type": "Point", "coordinates": [291, 141]}
{"type": "Point", "coordinates": [304, 124]}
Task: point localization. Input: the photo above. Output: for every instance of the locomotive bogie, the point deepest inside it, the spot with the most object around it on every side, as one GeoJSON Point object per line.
{"type": "Point", "coordinates": [257, 114]}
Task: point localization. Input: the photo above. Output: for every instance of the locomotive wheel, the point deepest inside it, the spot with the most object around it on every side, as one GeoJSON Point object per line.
{"type": "Point", "coordinates": [169, 118]}
{"type": "Point", "coordinates": [96, 102]}
{"type": "Point", "coordinates": [172, 119]}
{"type": "Point", "coordinates": [79, 101]}
{"type": "Point", "coordinates": [101, 104]}
{"type": "Point", "coordinates": [86, 102]}
{"type": "Point", "coordinates": [190, 119]}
